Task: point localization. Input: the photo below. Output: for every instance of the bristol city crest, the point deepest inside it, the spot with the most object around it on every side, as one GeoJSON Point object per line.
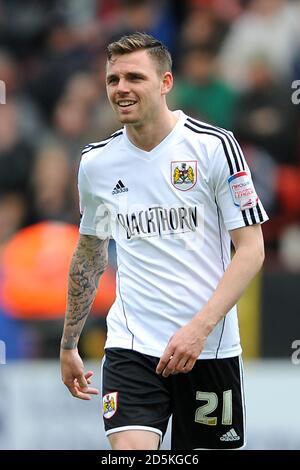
{"type": "Point", "coordinates": [110, 404]}
{"type": "Point", "coordinates": [184, 174]}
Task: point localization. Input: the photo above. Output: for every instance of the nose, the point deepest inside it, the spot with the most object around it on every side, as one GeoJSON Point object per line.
{"type": "Point", "coordinates": [123, 86]}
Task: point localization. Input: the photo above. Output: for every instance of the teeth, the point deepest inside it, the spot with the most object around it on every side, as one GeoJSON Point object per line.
{"type": "Point", "coordinates": [125, 103]}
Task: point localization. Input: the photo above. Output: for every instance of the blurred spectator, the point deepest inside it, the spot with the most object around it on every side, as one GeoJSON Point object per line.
{"type": "Point", "coordinates": [289, 248]}
{"type": "Point", "coordinates": [88, 92]}
{"type": "Point", "coordinates": [201, 26]}
{"type": "Point", "coordinates": [264, 172]}
{"type": "Point", "coordinates": [104, 121]}
{"type": "Point", "coordinates": [16, 154]}
{"type": "Point", "coordinates": [53, 198]}
{"type": "Point", "coordinates": [83, 87]}
{"type": "Point", "coordinates": [22, 29]}
{"type": "Point", "coordinates": [269, 28]}
{"type": "Point", "coordinates": [288, 189]}
{"type": "Point", "coordinates": [200, 92]}
{"type": "Point", "coordinates": [67, 52]}
{"type": "Point", "coordinates": [28, 117]}
{"type": "Point", "coordinates": [151, 16]}
{"type": "Point", "coordinates": [77, 13]}
{"type": "Point", "coordinates": [266, 115]}
{"type": "Point", "coordinates": [13, 213]}
{"type": "Point", "coordinates": [71, 123]}
{"type": "Point", "coordinates": [228, 10]}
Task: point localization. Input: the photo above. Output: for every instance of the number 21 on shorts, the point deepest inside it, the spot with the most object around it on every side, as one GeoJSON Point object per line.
{"type": "Point", "coordinates": [211, 399]}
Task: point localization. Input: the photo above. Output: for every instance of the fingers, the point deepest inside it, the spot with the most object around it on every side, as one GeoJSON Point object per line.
{"type": "Point", "coordinates": [79, 387]}
{"type": "Point", "coordinates": [84, 393]}
{"type": "Point", "coordinates": [75, 391]}
{"type": "Point", "coordinates": [181, 365]}
{"type": "Point", "coordinates": [82, 382]}
{"type": "Point", "coordinates": [86, 388]}
{"type": "Point", "coordinates": [164, 361]}
{"type": "Point", "coordinates": [167, 364]}
{"type": "Point", "coordinates": [88, 375]}
{"type": "Point", "coordinates": [170, 367]}
{"type": "Point", "coordinates": [189, 365]}
{"type": "Point", "coordinates": [170, 364]}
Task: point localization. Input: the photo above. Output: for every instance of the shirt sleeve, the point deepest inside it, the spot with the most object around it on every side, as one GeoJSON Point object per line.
{"type": "Point", "coordinates": [94, 215]}
{"type": "Point", "coordinates": [232, 184]}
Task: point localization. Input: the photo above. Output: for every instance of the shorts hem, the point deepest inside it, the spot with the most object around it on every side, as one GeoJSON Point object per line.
{"type": "Point", "coordinates": [221, 448]}
{"type": "Point", "coordinates": [134, 427]}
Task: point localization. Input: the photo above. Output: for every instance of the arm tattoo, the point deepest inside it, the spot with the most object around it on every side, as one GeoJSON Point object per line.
{"type": "Point", "coordinates": [88, 263]}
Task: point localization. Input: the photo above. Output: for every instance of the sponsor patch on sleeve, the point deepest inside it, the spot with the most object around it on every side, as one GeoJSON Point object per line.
{"type": "Point", "coordinates": [242, 190]}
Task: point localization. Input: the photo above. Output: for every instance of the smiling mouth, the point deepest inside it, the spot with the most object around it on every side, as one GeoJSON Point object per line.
{"type": "Point", "coordinates": [125, 103]}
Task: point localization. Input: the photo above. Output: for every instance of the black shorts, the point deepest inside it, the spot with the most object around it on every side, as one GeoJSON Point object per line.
{"type": "Point", "coordinates": [206, 404]}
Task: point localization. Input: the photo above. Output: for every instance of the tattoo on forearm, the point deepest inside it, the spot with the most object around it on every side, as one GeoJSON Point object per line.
{"type": "Point", "coordinates": [88, 263]}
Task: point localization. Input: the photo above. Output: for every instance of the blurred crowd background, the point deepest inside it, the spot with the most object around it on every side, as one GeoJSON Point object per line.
{"type": "Point", "coordinates": [236, 65]}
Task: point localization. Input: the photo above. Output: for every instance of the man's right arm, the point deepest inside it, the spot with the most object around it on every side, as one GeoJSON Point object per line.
{"type": "Point", "coordinates": [88, 263]}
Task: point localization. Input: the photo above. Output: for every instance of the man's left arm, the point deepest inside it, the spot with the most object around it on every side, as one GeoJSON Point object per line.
{"type": "Point", "coordinates": [187, 343]}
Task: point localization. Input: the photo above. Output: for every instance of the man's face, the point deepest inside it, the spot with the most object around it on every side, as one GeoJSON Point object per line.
{"type": "Point", "coordinates": [134, 87]}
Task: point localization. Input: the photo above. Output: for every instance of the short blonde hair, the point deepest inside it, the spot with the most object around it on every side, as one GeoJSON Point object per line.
{"type": "Point", "coordinates": [142, 41]}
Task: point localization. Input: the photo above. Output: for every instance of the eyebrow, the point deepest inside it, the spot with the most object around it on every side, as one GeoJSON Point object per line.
{"type": "Point", "coordinates": [128, 74]}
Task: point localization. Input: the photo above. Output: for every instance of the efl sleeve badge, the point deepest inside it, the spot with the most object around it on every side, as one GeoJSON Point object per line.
{"type": "Point", "coordinates": [242, 190]}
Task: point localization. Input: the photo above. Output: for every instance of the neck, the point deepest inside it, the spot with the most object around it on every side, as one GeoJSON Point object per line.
{"type": "Point", "coordinates": [148, 135]}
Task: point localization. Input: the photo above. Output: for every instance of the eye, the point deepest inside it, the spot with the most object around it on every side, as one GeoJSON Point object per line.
{"type": "Point", "coordinates": [112, 80]}
{"type": "Point", "coordinates": [136, 78]}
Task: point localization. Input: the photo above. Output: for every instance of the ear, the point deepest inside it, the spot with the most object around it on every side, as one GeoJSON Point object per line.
{"type": "Point", "coordinates": [167, 83]}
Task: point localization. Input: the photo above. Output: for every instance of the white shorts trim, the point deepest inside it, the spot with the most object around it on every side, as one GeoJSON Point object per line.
{"type": "Point", "coordinates": [206, 448]}
{"type": "Point", "coordinates": [243, 400]}
{"type": "Point", "coordinates": [136, 428]}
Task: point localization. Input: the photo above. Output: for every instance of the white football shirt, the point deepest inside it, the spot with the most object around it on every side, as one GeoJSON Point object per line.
{"type": "Point", "coordinates": [169, 211]}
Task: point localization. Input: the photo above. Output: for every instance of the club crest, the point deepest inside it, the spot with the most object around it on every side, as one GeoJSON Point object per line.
{"type": "Point", "coordinates": [184, 174]}
{"type": "Point", "coordinates": [110, 404]}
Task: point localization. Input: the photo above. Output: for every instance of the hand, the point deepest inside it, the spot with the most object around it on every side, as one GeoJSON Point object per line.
{"type": "Point", "coordinates": [182, 350]}
{"type": "Point", "coordinates": [73, 376]}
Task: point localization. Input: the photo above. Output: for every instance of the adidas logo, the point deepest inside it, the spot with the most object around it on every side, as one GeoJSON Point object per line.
{"type": "Point", "coordinates": [119, 188]}
{"type": "Point", "coordinates": [231, 435]}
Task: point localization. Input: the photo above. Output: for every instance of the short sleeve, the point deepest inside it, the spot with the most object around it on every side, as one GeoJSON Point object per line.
{"type": "Point", "coordinates": [94, 216]}
{"type": "Point", "coordinates": [232, 184]}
